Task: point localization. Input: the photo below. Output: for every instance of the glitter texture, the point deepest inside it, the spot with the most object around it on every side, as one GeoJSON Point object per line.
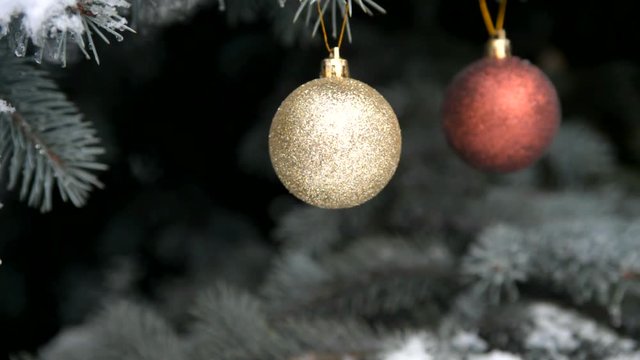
{"type": "Point", "coordinates": [500, 115]}
{"type": "Point", "coordinates": [335, 142]}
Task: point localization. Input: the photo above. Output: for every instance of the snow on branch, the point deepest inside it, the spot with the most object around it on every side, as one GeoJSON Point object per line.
{"type": "Point", "coordinates": [427, 346]}
{"type": "Point", "coordinates": [6, 108]}
{"type": "Point", "coordinates": [554, 332]}
{"type": "Point", "coordinates": [51, 24]}
{"type": "Point", "coordinates": [44, 143]}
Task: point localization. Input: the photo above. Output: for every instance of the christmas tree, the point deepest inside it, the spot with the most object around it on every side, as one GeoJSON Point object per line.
{"type": "Point", "coordinates": [151, 119]}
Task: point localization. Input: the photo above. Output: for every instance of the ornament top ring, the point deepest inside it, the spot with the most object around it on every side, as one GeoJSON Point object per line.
{"type": "Point", "coordinates": [335, 142]}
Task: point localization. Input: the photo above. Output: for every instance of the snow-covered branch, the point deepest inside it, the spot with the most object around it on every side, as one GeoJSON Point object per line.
{"type": "Point", "coordinates": [590, 259]}
{"type": "Point", "coordinates": [50, 24]}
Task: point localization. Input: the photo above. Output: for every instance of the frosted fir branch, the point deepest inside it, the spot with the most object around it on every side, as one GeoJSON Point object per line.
{"type": "Point", "coordinates": [329, 336]}
{"type": "Point", "coordinates": [308, 10]}
{"type": "Point", "coordinates": [590, 259]}
{"type": "Point", "coordinates": [51, 24]}
{"type": "Point", "coordinates": [372, 276]}
{"type": "Point", "coordinates": [123, 330]}
{"type": "Point", "coordinates": [232, 324]}
{"type": "Point", "coordinates": [580, 157]}
{"type": "Point", "coordinates": [309, 229]}
{"type": "Point", "coordinates": [44, 143]}
{"type": "Point", "coordinates": [365, 5]}
{"type": "Point", "coordinates": [498, 261]}
{"type": "Point", "coordinates": [316, 231]}
{"type": "Point", "coordinates": [134, 332]}
{"type": "Point", "coordinates": [504, 204]}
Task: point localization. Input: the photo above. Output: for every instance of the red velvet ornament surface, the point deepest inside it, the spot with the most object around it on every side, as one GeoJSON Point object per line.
{"type": "Point", "coordinates": [500, 115]}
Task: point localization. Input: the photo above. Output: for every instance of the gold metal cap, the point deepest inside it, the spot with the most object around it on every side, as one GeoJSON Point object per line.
{"type": "Point", "coordinates": [499, 47]}
{"type": "Point", "coordinates": [334, 66]}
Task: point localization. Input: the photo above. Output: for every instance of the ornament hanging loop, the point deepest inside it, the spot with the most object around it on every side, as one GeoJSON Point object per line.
{"type": "Point", "coordinates": [493, 30]}
{"type": "Point", "coordinates": [324, 27]}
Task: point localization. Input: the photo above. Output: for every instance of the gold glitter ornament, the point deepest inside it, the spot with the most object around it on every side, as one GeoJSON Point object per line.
{"type": "Point", "coordinates": [335, 142]}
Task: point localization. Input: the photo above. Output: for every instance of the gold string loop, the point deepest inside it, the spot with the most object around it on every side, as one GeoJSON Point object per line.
{"type": "Point", "coordinates": [324, 28]}
{"type": "Point", "coordinates": [498, 29]}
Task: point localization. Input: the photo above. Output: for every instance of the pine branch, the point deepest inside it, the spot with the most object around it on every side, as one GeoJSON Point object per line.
{"type": "Point", "coordinates": [310, 229]}
{"type": "Point", "coordinates": [132, 332]}
{"type": "Point", "coordinates": [372, 276]}
{"type": "Point", "coordinates": [329, 337]}
{"type": "Point", "coordinates": [580, 157]}
{"type": "Point", "coordinates": [43, 142]}
{"type": "Point", "coordinates": [308, 10]}
{"type": "Point", "coordinates": [590, 259]}
{"type": "Point", "coordinates": [318, 232]}
{"type": "Point", "coordinates": [50, 24]}
{"type": "Point", "coordinates": [504, 204]}
{"type": "Point", "coordinates": [498, 261]}
{"type": "Point", "coordinates": [121, 331]}
{"type": "Point", "coordinates": [232, 324]}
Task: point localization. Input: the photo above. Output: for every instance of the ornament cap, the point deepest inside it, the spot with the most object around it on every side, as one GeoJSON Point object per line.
{"type": "Point", "coordinates": [334, 66]}
{"type": "Point", "coordinates": [499, 47]}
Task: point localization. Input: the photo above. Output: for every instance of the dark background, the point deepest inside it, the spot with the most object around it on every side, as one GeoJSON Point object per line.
{"type": "Point", "coordinates": [174, 107]}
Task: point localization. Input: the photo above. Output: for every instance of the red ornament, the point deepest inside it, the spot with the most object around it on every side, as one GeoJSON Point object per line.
{"type": "Point", "coordinates": [500, 114]}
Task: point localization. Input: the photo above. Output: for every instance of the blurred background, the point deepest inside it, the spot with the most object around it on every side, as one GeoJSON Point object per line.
{"type": "Point", "coordinates": [184, 108]}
